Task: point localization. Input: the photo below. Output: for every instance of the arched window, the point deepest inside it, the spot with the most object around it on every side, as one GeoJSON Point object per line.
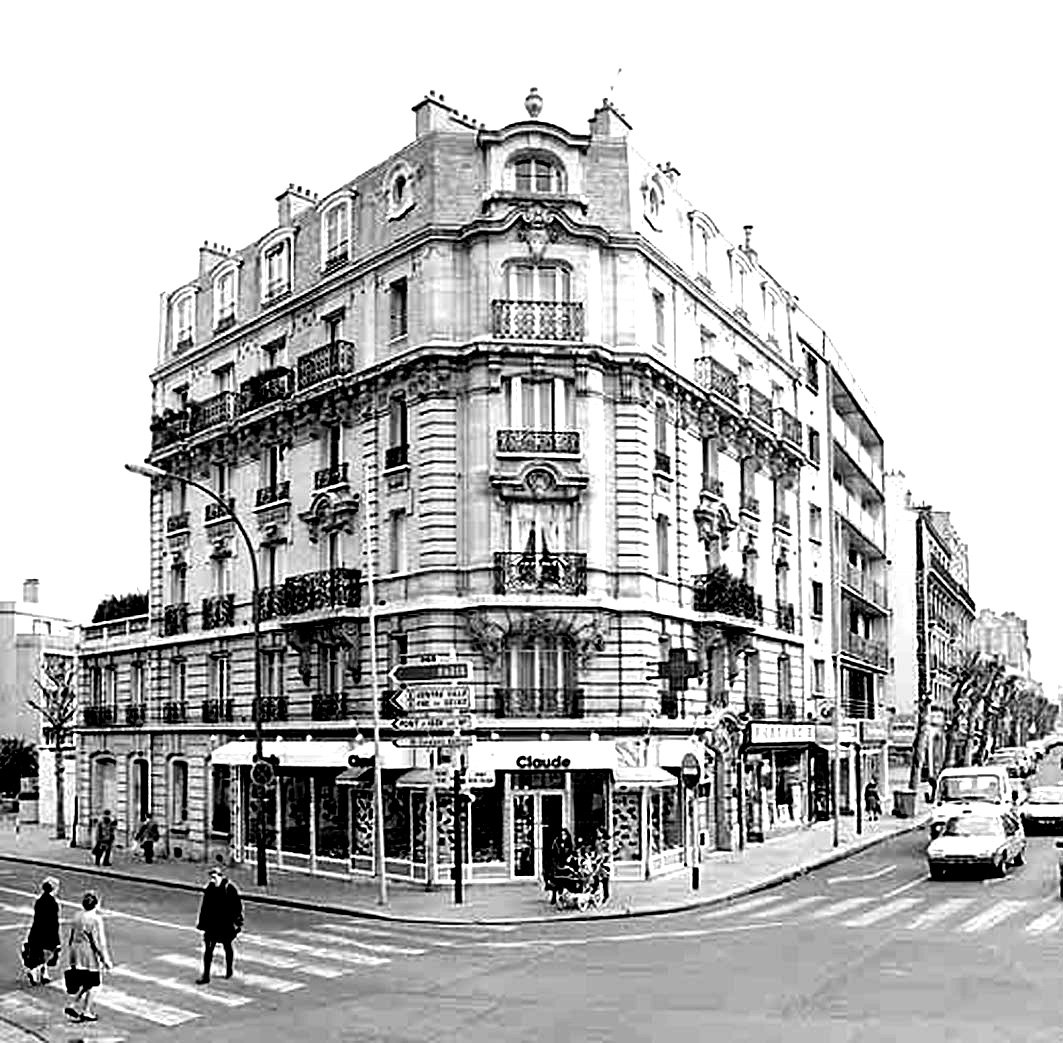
{"type": "Point", "coordinates": [398, 190]}
{"type": "Point", "coordinates": [183, 321]}
{"type": "Point", "coordinates": [540, 174]}
{"type": "Point", "coordinates": [275, 266]}
{"type": "Point", "coordinates": [336, 234]}
{"type": "Point", "coordinates": [225, 297]}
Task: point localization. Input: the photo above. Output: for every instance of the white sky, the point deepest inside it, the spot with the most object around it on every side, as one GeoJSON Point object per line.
{"type": "Point", "coordinates": [900, 164]}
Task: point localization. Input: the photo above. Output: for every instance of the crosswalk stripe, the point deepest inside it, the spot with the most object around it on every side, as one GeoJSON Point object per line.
{"type": "Point", "coordinates": [18, 910]}
{"type": "Point", "coordinates": [992, 916]}
{"type": "Point", "coordinates": [936, 913]}
{"type": "Point", "coordinates": [261, 981]}
{"type": "Point", "coordinates": [397, 950]}
{"type": "Point", "coordinates": [882, 912]}
{"type": "Point", "coordinates": [360, 959]}
{"type": "Point", "coordinates": [287, 963]}
{"type": "Point", "coordinates": [839, 908]}
{"type": "Point", "coordinates": [789, 907]}
{"type": "Point", "coordinates": [225, 999]}
{"type": "Point", "coordinates": [1045, 922]}
{"type": "Point", "coordinates": [742, 907]}
{"type": "Point", "coordinates": [110, 998]}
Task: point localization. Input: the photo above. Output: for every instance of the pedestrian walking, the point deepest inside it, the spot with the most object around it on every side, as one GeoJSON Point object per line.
{"type": "Point", "coordinates": [560, 854]}
{"type": "Point", "coordinates": [221, 917]}
{"type": "Point", "coordinates": [41, 950]}
{"type": "Point", "coordinates": [89, 958]}
{"type": "Point", "coordinates": [872, 802]}
{"type": "Point", "coordinates": [105, 831]}
{"type": "Point", "coordinates": [147, 836]}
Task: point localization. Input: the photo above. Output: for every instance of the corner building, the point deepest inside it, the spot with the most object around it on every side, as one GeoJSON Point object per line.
{"type": "Point", "coordinates": [556, 409]}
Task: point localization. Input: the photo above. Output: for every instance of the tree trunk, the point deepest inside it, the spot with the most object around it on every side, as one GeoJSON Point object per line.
{"type": "Point", "coordinates": [919, 742]}
{"type": "Point", "coordinates": [60, 796]}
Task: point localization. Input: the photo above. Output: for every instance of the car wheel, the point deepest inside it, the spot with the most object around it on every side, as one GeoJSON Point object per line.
{"type": "Point", "coordinates": [1000, 865]}
{"type": "Point", "coordinates": [1020, 858]}
{"type": "Point", "coordinates": [938, 873]}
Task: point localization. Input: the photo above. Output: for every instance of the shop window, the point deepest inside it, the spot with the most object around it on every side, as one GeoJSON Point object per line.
{"type": "Point", "coordinates": [295, 813]}
{"type": "Point", "coordinates": [665, 823]}
{"type": "Point", "coordinates": [221, 799]}
{"type": "Point", "coordinates": [331, 822]}
{"type": "Point", "coordinates": [178, 793]}
{"type": "Point", "coordinates": [269, 799]}
{"type": "Point", "coordinates": [486, 825]}
{"type": "Point", "coordinates": [627, 825]}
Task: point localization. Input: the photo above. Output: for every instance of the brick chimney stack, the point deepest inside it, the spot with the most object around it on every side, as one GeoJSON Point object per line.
{"type": "Point", "coordinates": [31, 591]}
{"type": "Point", "coordinates": [608, 123]}
{"type": "Point", "coordinates": [292, 202]}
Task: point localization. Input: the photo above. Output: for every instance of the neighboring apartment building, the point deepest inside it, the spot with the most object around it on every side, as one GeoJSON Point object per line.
{"type": "Point", "coordinates": [933, 617]}
{"type": "Point", "coordinates": [557, 411]}
{"type": "Point", "coordinates": [1004, 635]}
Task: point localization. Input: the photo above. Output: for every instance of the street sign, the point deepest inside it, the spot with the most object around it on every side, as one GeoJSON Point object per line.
{"type": "Point", "coordinates": [435, 742]}
{"type": "Point", "coordinates": [479, 778]}
{"type": "Point", "coordinates": [431, 668]}
{"type": "Point", "coordinates": [444, 775]}
{"type": "Point", "coordinates": [433, 698]}
{"type": "Point", "coordinates": [439, 723]}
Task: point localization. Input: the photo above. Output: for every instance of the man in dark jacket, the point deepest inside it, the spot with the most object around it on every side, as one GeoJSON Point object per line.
{"type": "Point", "coordinates": [42, 945]}
{"type": "Point", "coordinates": [221, 915]}
{"type": "Point", "coordinates": [105, 831]}
{"type": "Point", "coordinates": [148, 836]}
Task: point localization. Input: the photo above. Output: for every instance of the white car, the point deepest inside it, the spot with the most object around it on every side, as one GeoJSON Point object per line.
{"type": "Point", "coordinates": [1043, 809]}
{"type": "Point", "coordinates": [976, 837]}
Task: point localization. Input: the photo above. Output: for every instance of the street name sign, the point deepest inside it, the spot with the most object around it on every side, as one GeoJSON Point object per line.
{"type": "Point", "coordinates": [428, 669]}
{"type": "Point", "coordinates": [444, 775]}
{"type": "Point", "coordinates": [436, 723]}
{"type": "Point", "coordinates": [480, 778]}
{"type": "Point", "coordinates": [436, 742]}
{"type": "Point", "coordinates": [433, 698]}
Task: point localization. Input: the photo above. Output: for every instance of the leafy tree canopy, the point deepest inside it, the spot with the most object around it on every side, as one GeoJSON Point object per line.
{"type": "Point", "coordinates": [119, 606]}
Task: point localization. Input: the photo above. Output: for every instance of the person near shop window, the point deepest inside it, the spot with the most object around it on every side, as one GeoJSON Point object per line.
{"type": "Point", "coordinates": [872, 801]}
{"type": "Point", "coordinates": [562, 851]}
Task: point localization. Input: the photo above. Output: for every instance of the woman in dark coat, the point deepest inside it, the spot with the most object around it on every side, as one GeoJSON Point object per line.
{"type": "Point", "coordinates": [221, 916]}
{"type": "Point", "coordinates": [43, 941]}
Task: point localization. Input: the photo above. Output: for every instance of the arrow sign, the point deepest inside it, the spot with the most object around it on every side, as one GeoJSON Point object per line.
{"type": "Point", "coordinates": [432, 724]}
{"type": "Point", "coordinates": [433, 698]}
{"type": "Point", "coordinates": [429, 668]}
{"type": "Point", "coordinates": [436, 742]}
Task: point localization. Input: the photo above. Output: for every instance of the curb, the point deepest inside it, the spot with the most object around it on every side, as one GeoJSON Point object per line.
{"type": "Point", "coordinates": [283, 902]}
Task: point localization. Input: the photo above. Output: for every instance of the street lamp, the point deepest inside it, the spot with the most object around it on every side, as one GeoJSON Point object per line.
{"type": "Point", "coordinates": [150, 471]}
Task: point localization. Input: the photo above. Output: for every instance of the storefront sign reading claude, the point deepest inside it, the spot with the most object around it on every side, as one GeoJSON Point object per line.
{"type": "Point", "coordinates": [762, 734]}
{"type": "Point", "coordinates": [558, 763]}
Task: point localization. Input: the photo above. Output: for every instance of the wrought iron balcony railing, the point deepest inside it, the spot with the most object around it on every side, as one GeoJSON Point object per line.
{"type": "Point", "coordinates": [784, 616]}
{"type": "Point", "coordinates": [174, 712]}
{"type": "Point", "coordinates": [563, 572]}
{"type": "Point", "coordinates": [662, 462]}
{"type": "Point", "coordinates": [268, 494]}
{"type": "Point", "coordinates": [270, 708]}
{"type": "Point", "coordinates": [856, 579]}
{"type": "Point", "coordinates": [99, 716]}
{"type": "Point", "coordinates": [790, 428]}
{"type": "Point", "coordinates": [787, 710]}
{"type": "Point", "coordinates": [866, 648]}
{"type": "Point", "coordinates": [719, 591]}
{"type": "Point", "coordinates": [330, 360]}
{"type": "Point", "coordinates": [215, 711]}
{"type": "Point", "coordinates": [337, 257]}
{"type": "Point", "coordinates": [713, 486]}
{"type": "Point", "coordinates": [760, 407]}
{"type": "Point", "coordinates": [136, 714]}
{"type": "Point", "coordinates": [329, 706]}
{"type": "Point", "coordinates": [311, 591]}
{"type": "Point", "coordinates": [538, 702]}
{"type": "Point", "coordinates": [755, 708]}
{"type": "Point", "coordinates": [177, 522]}
{"type": "Point", "coordinates": [215, 511]}
{"type": "Point", "coordinates": [396, 456]}
{"type": "Point", "coordinates": [537, 443]}
{"type": "Point", "coordinates": [782, 521]}
{"type": "Point", "coordinates": [271, 385]}
{"type": "Point", "coordinates": [537, 320]}
{"type": "Point", "coordinates": [716, 377]}
{"type": "Point", "coordinates": [175, 619]}
{"type": "Point", "coordinates": [219, 611]}
{"type": "Point", "coordinates": [225, 322]}
{"type": "Point", "coordinates": [750, 504]}
{"type": "Point", "coordinates": [168, 427]}
{"type": "Point", "coordinates": [218, 409]}
{"type": "Point", "coordinates": [326, 477]}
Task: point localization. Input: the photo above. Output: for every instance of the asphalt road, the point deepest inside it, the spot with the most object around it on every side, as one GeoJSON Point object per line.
{"type": "Point", "coordinates": [869, 949]}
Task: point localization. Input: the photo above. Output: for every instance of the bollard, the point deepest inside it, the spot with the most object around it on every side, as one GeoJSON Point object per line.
{"type": "Point", "coordinates": [695, 877]}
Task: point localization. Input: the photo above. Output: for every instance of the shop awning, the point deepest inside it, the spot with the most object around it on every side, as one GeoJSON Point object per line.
{"type": "Point", "coordinates": [638, 778]}
{"type": "Point", "coordinates": [361, 777]}
{"type": "Point", "coordinates": [311, 753]}
{"type": "Point", "coordinates": [536, 755]}
{"type": "Point", "coordinates": [416, 778]}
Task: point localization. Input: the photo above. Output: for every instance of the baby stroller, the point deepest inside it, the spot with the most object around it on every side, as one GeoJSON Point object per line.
{"type": "Point", "coordinates": [580, 882]}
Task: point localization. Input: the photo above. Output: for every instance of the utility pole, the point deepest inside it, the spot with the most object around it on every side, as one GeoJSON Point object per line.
{"type": "Point", "coordinates": [459, 838]}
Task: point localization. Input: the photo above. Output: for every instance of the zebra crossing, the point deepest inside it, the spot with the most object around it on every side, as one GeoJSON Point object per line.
{"type": "Point", "coordinates": [1035, 918]}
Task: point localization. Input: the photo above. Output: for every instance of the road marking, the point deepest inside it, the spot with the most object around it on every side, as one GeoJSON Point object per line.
{"type": "Point", "coordinates": [108, 911]}
{"type": "Point", "coordinates": [352, 943]}
{"type": "Point", "coordinates": [936, 913]}
{"type": "Point", "coordinates": [371, 946]}
{"type": "Point", "coordinates": [864, 876]}
{"type": "Point", "coordinates": [226, 999]}
{"type": "Point", "coordinates": [742, 907]}
{"type": "Point", "coordinates": [1045, 922]}
{"type": "Point", "coordinates": [286, 963]}
{"type": "Point", "coordinates": [13, 927]}
{"type": "Point", "coordinates": [19, 910]}
{"type": "Point", "coordinates": [137, 1006]}
{"type": "Point", "coordinates": [337, 956]}
{"type": "Point", "coordinates": [905, 887]}
{"type": "Point", "coordinates": [992, 916]}
{"type": "Point", "coordinates": [261, 981]}
{"type": "Point", "coordinates": [898, 905]}
{"type": "Point", "coordinates": [612, 939]}
{"type": "Point", "coordinates": [838, 908]}
{"type": "Point", "coordinates": [790, 907]}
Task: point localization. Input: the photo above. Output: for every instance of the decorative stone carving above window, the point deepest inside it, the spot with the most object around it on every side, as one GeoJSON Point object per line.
{"type": "Point", "coordinates": [221, 543]}
{"type": "Point", "coordinates": [539, 480]}
{"type": "Point", "coordinates": [329, 512]}
{"type": "Point", "coordinates": [538, 228]}
{"type": "Point", "coordinates": [714, 522]}
{"type": "Point", "coordinates": [489, 636]}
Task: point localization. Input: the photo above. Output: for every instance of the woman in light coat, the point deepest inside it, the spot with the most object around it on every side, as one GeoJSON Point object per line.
{"type": "Point", "coordinates": [89, 956]}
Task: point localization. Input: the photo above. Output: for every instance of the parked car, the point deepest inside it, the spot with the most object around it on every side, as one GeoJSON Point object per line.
{"type": "Point", "coordinates": [1015, 759]}
{"type": "Point", "coordinates": [988, 785]}
{"type": "Point", "coordinates": [1043, 809]}
{"type": "Point", "coordinates": [977, 837]}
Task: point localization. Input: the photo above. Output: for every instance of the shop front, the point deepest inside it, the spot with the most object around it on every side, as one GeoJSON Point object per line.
{"type": "Point", "coordinates": [776, 777]}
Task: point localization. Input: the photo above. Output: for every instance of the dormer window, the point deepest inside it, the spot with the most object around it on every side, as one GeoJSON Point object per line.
{"type": "Point", "coordinates": [225, 299]}
{"type": "Point", "coordinates": [276, 269]}
{"type": "Point", "coordinates": [399, 191]}
{"type": "Point", "coordinates": [336, 235]}
{"type": "Point", "coordinates": [183, 322]}
{"type": "Point", "coordinates": [536, 174]}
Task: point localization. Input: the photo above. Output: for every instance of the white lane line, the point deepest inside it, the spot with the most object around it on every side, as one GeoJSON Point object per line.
{"type": "Point", "coordinates": [360, 959]}
{"type": "Point", "coordinates": [13, 927]}
{"type": "Point", "coordinates": [286, 963]}
{"type": "Point", "coordinates": [789, 908]}
{"type": "Point", "coordinates": [742, 907]}
{"type": "Point", "coordinates": [19, 910]}
{"type": "Point", "coordinates": [261, 981]}
{"type": "Point", "coordinates": [109, 911]}
{"type": "Point", "coordinates": [846, 905]}
{"type": "Point", "coordinates": [992, 916]}
{"type": "Point", "coordinates": [352, 943]}
{"type": "Point", "coordinates": [906, 887]}
{"type": "Point", "coordinates": [862, 876]}
{"type": "Point", "coordinates": [936, 913]}
{"type": "Point", "coordinates": [226, 999]}
{"type": "Point", "coordinates": [1045, 922]}
{"type": "Point", "coordinates": [137, 1006]}
{"type": "Point", "coordinates": [882, 912]}
{"type": "Point", "coordinates": [613, 939]}
{"type": "Point", "coordinates": [397, 950]}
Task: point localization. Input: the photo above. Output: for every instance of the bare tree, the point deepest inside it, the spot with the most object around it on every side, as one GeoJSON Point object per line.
{"type": "Point", "coordinates": [58, 705]}
{"type": "Point", "coordinates": [964, 685]}
{"type": "Point", "coordinates": [1000, 694]}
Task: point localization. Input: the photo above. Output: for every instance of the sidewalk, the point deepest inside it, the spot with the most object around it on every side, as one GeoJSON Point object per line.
{"type": "Point", "coordinates": [725, 875]}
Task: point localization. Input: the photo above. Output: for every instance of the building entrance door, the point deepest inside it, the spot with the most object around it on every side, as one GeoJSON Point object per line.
{"type": "Point", "coordinates": [538, 818]}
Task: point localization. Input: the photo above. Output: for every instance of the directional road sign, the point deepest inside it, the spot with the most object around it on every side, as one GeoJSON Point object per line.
{"type": "Point", "coordinates": [433, 698]}
{"type": "Point", "coordinates": [444, 775]}
{"type": "Point", "coordinates": [435, 723]}
{"type": "Point", "coordinates": [479, 778]}
{"type": "Point", "coordinates": [431, 669]}
{"type": "Point", "coordinates": [436, 742]}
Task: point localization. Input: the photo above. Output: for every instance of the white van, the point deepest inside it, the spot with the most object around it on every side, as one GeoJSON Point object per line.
{"type": "Point", "coordinates": [987, 784]}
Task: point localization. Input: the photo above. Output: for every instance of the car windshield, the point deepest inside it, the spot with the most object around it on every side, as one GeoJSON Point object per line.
{"type": "Point", "coordinates": [970, 787]}
{"type": "Point", "coordinates": [1046, 795]}
{"type": "Point", "coordinates": [972, 826]}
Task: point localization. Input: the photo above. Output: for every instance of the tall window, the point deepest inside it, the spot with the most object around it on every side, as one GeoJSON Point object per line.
{"type": "Point", "coordinates": [540, 527]}
{"type": "Point", "coordinates": [397, 421]}
{"type": "Point", "coordinates": [330, 669]}
{"type": "Point", "coordinates": [224, 378]}
{"type": "Point", "coordinates": [811, 372]}
{"type": "Point", "coordinates": [658, 317]}
{"type": "Point", "coordinates": [749, 565]}
{"type": "Point", "coordinates": [662, 544]}
{"type": "Point", "coordinates": [270, 565]}
{"type": "Point", "coordinates": [660, 427]}
{"type": "Point", "coordinates": [183, 321]}
{"type": "Point", "coordinates": [336, 224]}
{"type": "Point", "coordinates": [137, 689]}
{"type": "Point", "coordinates": [334, 326]}
{"type": "Point", "coordinates": [179, 584]}
{"type": "Point", "coordinates": [334, 446]}
{"type": "Point", "coordinates": [221, 480]}
{"type": "Point", "coordinates": [813, 446]}
{"type": "Point", "coordinates": [537, 664]}
{"type": "Point", "coordinates": [271, 466]}
{"type": "Point", "coordinates": [397, 541]}
{"type": "Point", "coordinates": [785, 680]}
{"type": "Point", "coordinates": [177, 680]}
{"type": "Point", "coordinates": [778, 490]}
{"type": "Point", "coordinates": [220, 674]}
{"type": "Point", "coordinates": [538, 175]}
{"type": "Point", "coordinates": [752, 675]}
{"type": "Point", "coordinates": [225, 298]}
{"type": "Point", "coordinates": [539, 282]}
{"type": "Point", "coordinates": [397, 296]}
{"type": "Point", "coordinates": [178, 793]}
{"type": "Point", "coordinates": [273, 672]}
{"type": "Point", "coordinates": [710, 462]}
{"type": "Point", "coordinates": [539, 405]}
{"type": "Point", "coordinates": [222, 575]}
{"type": "Point", "coordinates": [278, 270]}
{"type": "Point", "coordinates": [704, 253]}
{"type": "Point", "coordinates": [817, 598]}
{"type": "Point", "coordinates": [221, 791]}
{"type": "Point", "coordinates": [815, 522]}
{"type": "Point", "coordinates": [782, 581]}
{"type": "Point", "coordinates": [110, 685]}
{"type": "Point", "coordinates": [819, 675]}
{"type": "Point", "coordinates": [749, 488]}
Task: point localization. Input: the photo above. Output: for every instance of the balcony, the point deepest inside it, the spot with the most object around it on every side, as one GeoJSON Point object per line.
{"type": "Point", "coordinates": [662, 462]}
{"type": "Point", "coordinates": [538, 443]}
{"type": "Point", "coordinates": [750, 505]}
{"type": "Point", "coordinates": [868, 649]}
{"type": "Point", "coordinates": [311, 591]}
{"type": "Point", "coordinates": [539, 702]}
{"type": "Point", "coordinates": [713, 486]}
{"type": "Point", "coordinates": [527, 572]}
{"type": "Point", "coordinates": [790, 429]}
{"type": "Point", "coordinates": [175, 620]}
{"type": "Point", "coordinates": [718, 379]}
{"type": "Point", "coordinates": [337, 258]}
{"type": "Point", "coordinates": [216, 511]}
{"type": "Point", "coordinates": [271, 385]}
{"type": "Point", "coordinates": [326, 477]}
{"type": "Point", "coordinates": [219, 611]}
{"type": "Point", "coordinates": [760, 407]}
{"type": "Point", "coordinates": [174, 712]}
{"type": "Point", "coordinates": [856, 579]}
{"type": "Point", "coordinates": [278, 493]}
{"type": "Point", "coordinates": [755, 708]}
{"type": "Point", "coordinates": [99, 716]}
{"type": "Point", "coordinates": [719, 591]}
{"type": "Point", "coordinates": [787, 710]}
{"type": "Point", "coordinates": [136, 714]}
{"type": "Point", "coordinates": [225, 322]}
{"type": "Point", "coordinates": [537, 320]}
{"type": "Point", "coordinates": [330, 360]}
{"type": "Point", "coordinates": [276, 290]}
{"type": "Point", "coordinates": [782, 521]}
{"type": "Point", "coordinates": [270, 708]}
{"type": "Point", "coordinates": [329, 706]}
{"type": "Point", "coordinates": [177, 522]}
{"type": "Point", "coordinates": [117, 629]}
{"type": "Point", "coordinates": [784, 616]}
{"type": "Point", "coordinates": [396, 456]}
{"type": "Point", "coordinates": [218, 409]}
{"type": "Point", "coordinates": [216, 711]}
{"type": "Point", "coordinates": [169, 427]}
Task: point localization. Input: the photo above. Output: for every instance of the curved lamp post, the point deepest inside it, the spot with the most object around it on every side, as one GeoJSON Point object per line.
{"type": "Point", "coordinates": [150, 471]}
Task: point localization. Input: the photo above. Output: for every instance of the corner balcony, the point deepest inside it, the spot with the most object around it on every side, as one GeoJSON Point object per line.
{"type": "Point", "coordinates": [270, 708]}
{"type": "Point", "coordinates": [169, 427]}
{"type": "Point", "coordinates": [219, 611]}
{"type": "Point", "coordinates": [136, 714]}
{"type": "Point", "coordinates": [537, 320]}
{"type": "Point", "coordinates": [266, 495]}
{"type": "Point", "coordinates": [539, 702]}
{"type": "Point", "coordinates": [218, 409]}
{"type": "Point", "coordinates": [790, 429]}
{"type": "Point", "coordinates": [327, 477]}
{"type": "Point", "coordinates": [756, 708]}
{"type": "Point", "coordinates": [867, 649]}
{"type": "Point", "coordinates": [330, 360]}
{"type": "Point", "coordinates": [310, 592]}
{"type": "Point", "coordinates": [521, 572]}
{"type": "Point", "coordinates": [99, 716]}
{"type": "Point", "coordinates": [329, 706]}
{"type": "Point", "coordinates": [528, 442]}
{"type": "Point", "coordinates": [175, 712]}
{"type": "Point", "coordinates": [719, 381]}
{"type": "Point", "coordinates": [175, 620]}
{"type": "Point", "coordinates": [272, 385]}
{"type": "Point", "coordinates": [216, 711]}
{"type": "Point", "coordinates": [720, 592]}
{"type": "Point", "coordinates": [760, 408]}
